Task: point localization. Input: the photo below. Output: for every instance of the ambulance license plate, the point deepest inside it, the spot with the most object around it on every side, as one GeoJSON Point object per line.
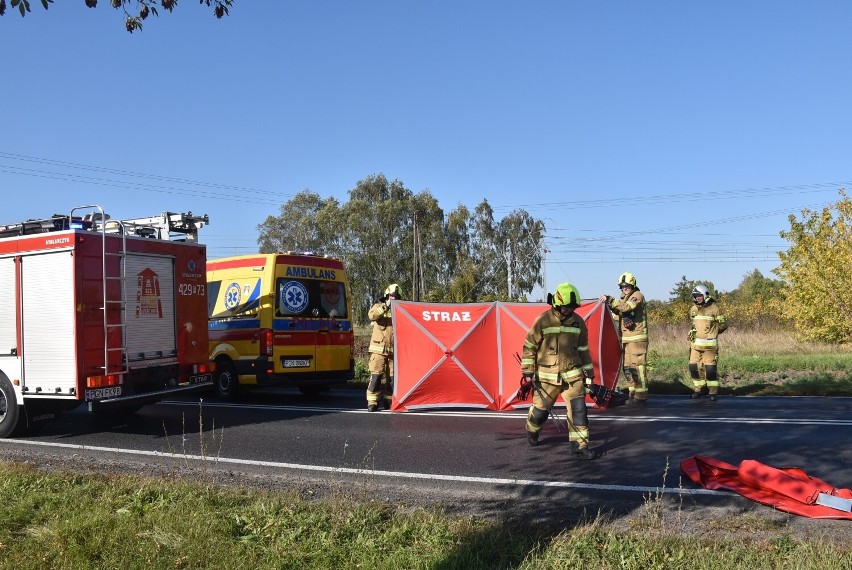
{"type": "Point", "coordinates": [296, 363]}
{"type": "Point", "coordinates": [101, 393]}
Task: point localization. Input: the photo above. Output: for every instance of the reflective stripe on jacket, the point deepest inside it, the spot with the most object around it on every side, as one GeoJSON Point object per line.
{"type": "Point", "coordinates": [558, 349]}
{"type": "Point", "coordinates": [708, 322]}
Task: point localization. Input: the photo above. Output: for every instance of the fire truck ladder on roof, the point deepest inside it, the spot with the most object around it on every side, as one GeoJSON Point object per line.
{"type": "Point", "coordinates": [98, 220]}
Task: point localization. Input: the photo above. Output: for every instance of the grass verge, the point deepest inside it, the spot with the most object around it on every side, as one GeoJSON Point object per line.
{"type": "Point", "coordinates": [62, 520]}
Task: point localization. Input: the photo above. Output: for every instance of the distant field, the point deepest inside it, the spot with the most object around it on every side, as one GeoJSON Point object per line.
{"type": "Point", "coordinates": [754, 362]}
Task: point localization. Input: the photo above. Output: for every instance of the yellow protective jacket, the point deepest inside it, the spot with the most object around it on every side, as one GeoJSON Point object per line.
{"type": "Point", "coordinates": [381, 341]}
{"type": "Point", "coordinates": [708, 322]}
{"type": "Point", "coordinates": [557, 349]}
{"type": "Point", "coordinates": [633, 321]}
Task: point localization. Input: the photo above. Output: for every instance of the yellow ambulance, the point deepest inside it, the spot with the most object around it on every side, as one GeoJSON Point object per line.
{"type": "Point", "coordinates": [279, 319]}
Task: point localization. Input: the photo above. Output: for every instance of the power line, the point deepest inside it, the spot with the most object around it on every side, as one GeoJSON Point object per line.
{"type": "Point", "coordinates": [93, 168]}
{"type": "Point", "coordinates": [128, 185]}
{"type": "Point", "coordinates": [683, 197]}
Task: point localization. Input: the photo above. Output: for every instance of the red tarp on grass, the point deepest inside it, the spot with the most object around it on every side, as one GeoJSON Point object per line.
{"type": "Point", "coordinates": [787, 489]}
{"type": "Point", "coordinates": [463, 355]}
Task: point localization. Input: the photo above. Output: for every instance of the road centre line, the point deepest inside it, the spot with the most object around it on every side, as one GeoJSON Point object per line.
{"type": "Point", "coordinates": [515, 415]}
{"type": "Point", "coordinates": [378, 472]}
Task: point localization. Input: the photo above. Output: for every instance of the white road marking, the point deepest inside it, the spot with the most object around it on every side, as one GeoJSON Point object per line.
{"type": "Point", "coordinates": [378, 472]}
{"type": "Point", "coordinates": [514, 415]}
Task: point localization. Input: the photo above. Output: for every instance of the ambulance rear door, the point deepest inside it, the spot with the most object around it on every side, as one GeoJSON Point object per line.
{"type": "Point", "coordinates": [333, 352]}
{"type": "Point", "coordinates": [295, 325]}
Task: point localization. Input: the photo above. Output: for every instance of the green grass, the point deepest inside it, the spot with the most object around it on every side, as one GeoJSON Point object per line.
{"type": "Point", "coordinates": [72, 521]}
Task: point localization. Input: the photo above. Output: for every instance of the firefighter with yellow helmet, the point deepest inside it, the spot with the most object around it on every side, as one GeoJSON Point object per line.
{"type": "Point", "coordinates": [556, 360]}
{"type": "Point", "coordinates": [633, 324]}
{"type": "Point", "coordinates": [380, 386]}
{"type": "Point", "coordinates": [708, 323]}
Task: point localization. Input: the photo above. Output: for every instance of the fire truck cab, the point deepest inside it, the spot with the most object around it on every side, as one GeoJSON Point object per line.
{"type": "Point", "coordinates": [110, 313]}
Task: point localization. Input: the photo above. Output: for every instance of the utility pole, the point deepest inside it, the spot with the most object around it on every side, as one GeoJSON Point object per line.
{"type": "Point", "coordinates": [544, 252]}
{"type": "Point", "coordinates": [509, 268]}
{"type": "Point", "coordinates": [417, 265]}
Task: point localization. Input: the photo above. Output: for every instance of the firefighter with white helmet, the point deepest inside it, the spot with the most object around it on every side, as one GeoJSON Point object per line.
{"type": "Point", "coordinates": [380, 386]}
{"type": "Point", "coordinates": [556, 360]}
{"type": "Point", "coordinates": [708, 323]}
{"type": "Point", "coordinates": [633, 324]}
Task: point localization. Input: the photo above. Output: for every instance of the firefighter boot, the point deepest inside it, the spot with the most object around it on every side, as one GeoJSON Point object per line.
{"type": "Point", "coordinates": [535, 419]}
{"type": "Point", "coordinates": [582, 452]}
{"type": "Point", "coordinates": [532, 438]}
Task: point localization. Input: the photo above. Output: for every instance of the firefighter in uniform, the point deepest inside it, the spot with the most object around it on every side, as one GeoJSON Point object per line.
{"type": "Point", "coordinates": [707, 323]}
{"type": "Point", "coordinates": [633, 324]}
{"type": "Point", "coordinates": [380, 386]}
{"type": "Point", "coordinates": [556, 360]}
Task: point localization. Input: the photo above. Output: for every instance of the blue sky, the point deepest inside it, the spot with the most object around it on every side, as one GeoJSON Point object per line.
{"type": "Point", "coordinates": [664, 138]}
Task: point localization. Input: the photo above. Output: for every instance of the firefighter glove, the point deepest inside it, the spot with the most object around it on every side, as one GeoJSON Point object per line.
{"type": "Point", "coordinates": [692, 334]}
{"type": "Point", "coordinates": [526, 387]}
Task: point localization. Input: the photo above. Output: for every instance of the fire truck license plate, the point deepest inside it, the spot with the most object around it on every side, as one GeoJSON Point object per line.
{"type": "Point", "coordinates": [101, 393]}
{"type": "Point", "coordinates": [297, 363]}
{"type": "Point", "coordinates": [200, 378]}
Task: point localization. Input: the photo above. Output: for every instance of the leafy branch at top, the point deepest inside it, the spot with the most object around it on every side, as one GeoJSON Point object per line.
{"type": "Point", "coordinates": [135, 10]}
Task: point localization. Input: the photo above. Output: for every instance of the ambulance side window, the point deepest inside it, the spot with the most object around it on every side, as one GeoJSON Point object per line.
{"type": "Point", "coordinates": [212, 294]}
{"type": "Point", "coordinates": [310, 298]}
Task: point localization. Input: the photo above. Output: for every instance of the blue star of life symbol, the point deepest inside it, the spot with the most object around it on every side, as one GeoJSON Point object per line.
{"type": "Point", "coordinates": [294, 295]}
{"type": "Point", "coordinates": [232, 296]}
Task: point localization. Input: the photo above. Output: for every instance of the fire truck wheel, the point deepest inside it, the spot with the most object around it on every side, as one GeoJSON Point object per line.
{"type": "Point", "coordinates": [225, 381]}
{"type": "Point", "coordinates": [10, 411]}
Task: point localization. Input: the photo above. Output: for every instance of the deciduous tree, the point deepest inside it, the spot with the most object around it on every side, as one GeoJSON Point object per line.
{"type": "Point", "coordinates": [818, 268]}
{"type": "Point", "coordinates": [387, 234]}
{"type": "Point", "coordinates": [305, 223]}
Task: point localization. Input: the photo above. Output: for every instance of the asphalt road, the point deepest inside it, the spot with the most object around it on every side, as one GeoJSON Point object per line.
{"type": "Point", "coordinates": [470, 452]}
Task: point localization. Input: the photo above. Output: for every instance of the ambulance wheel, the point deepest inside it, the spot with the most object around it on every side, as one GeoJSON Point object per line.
{"type": "Point", "coordinates": [11, 420]}
{"type": "Point", "coordinates": [225, 381]}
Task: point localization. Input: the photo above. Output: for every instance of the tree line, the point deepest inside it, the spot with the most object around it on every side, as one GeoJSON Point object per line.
{"type": "Point", "coordinates": [385, 233]}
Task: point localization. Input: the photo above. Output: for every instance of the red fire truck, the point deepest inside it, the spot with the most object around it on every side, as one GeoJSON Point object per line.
{"type": "Point", "coordinates": [110, 313]}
